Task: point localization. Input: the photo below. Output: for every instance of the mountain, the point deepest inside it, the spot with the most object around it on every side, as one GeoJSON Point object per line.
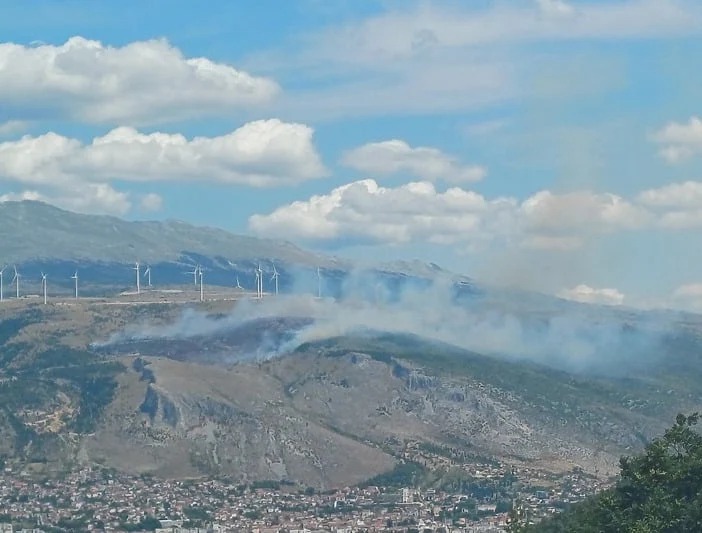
{"type": "Point", "coordinates": [386, 366]}
{"type": "Point", "coordinates": [180, 393]}
{"type": "Point", "coordinates": [104, 249]}
{"type": "Point", "coordinates": [40, 231]}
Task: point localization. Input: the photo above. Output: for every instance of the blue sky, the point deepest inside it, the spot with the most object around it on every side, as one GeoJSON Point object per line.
{"type": "Point", "coordinates": [549, 144]}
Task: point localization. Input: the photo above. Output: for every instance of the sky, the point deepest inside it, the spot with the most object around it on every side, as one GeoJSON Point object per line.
{"type": "Point", "coordinates": [550, 145]}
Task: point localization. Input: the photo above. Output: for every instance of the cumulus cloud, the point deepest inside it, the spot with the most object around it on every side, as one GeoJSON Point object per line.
{"type": "Point", "coordinates": [261, 153]}
{"type": "Point", "coordinates": [76, 175]}
{"type": "Point", "coordinates": [363, 211]}
{"type": "Point", "coordinates": [680, 141]}
{"type": "Point", "coordinates": [151, 202]}
{"type": "Point", "coordinates": [586, 294]}
{"type": "Point", "coordinates": [678, 205]}
{"type": "Point", "coordinates": [141, 82]}
{"type": "Point", "coordinates": [687, 194]}
{"type": "Point", "coordinates": [397, 157]}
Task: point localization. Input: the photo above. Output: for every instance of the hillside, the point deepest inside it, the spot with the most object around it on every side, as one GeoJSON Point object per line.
{"type": "Point", "coordinates": [331, 412]}
{"type": "Point", "coordinates": [403, 361]}
{"type": "Point", "coordinates": [40, 231]}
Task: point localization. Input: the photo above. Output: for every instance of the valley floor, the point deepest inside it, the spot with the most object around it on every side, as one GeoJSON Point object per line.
{"type": "Point", "coordinates": [102, 500]}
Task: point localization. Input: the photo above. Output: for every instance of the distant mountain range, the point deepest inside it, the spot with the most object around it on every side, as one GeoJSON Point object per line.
{"type": "Point", "coordinates": [39, 231]}
{"type": "Point", "coordinates": [41, 237]}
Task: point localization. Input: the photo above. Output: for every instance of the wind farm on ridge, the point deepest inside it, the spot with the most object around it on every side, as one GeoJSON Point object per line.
{"type": "Point", "coordinates": [142, 290]}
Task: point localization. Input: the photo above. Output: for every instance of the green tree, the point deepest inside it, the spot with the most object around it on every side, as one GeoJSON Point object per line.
{"type": "Point", "coordinates": [658, 491]}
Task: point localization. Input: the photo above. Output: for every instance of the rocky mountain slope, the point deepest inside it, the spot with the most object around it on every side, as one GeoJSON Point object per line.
{"type": "Point", "coordinates": [330, 412]}
{"type": "Point", "coordinates": [402, 362]}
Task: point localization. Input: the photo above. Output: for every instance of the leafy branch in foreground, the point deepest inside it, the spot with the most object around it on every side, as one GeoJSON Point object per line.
{"type": "Point", "coordinates": [658, 491]}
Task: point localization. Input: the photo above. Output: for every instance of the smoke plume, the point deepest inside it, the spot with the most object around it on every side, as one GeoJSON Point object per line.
{"type": "Point", "coordinates": [563, 335]}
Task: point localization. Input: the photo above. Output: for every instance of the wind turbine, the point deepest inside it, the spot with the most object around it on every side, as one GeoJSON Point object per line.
{"type": "Point", "coordinates": [43, 286]}
{"type": "Point", "coordinates": [2, 283]}
{"type": "Point", "coordinates": [138, 274]}
{"type": "Point", "coordinates": [194, 272]}
{"type": "Point", "coordinates": [258, 284]}
{"type": "Point", "coordinates": [74, 277]}
{"type": "Point", "coordinates": [16, 281]}
{"type": "Point", "coordinates": [202, 290]}
{"type": "Point", "coordinates": [319, 283]}
{"type": "Point", "coordinates": [260, 281]}
{"type": "Point", "coordinates": [147, 273]}
{"type": "Point", "coordinates": [275, 277]}
{"type": "Point", "coordinates": [238, 285]}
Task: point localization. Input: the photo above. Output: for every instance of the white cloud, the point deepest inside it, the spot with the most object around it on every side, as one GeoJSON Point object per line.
{"type": "Point", "coordinates": [680, 141]}
{"type": "Point", "coordinates": [21, 196]}
{"type": "Point", "coordinates": [363, 211]}
{"type": "Point", "coordinates": [68, 173]}
{"type": "Point", "coordinates": [12, 127]}
{"type": "Point", "coordinates": [555, 7]}
{"type": "Point", "coordinates": [398, 157]}
{"type": "Point", "coordinates": [141, 82]}
{"type": "Point", "coordinates": [410, 32]}
{"type": "Point", "coordinates": [151, 202]}
{"type": "Point", "coordinates": [432, 57]}
{"type": "Point", "coordinates": [678, 205]}
{"type": "Point", "coordinates": [687, 194]}
{"type": "Point", "coordinates": [260, 154]}
{"type": "Point", "coordinates": [587, 294]}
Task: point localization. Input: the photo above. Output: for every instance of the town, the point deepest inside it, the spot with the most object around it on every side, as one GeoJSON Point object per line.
{"type": "Point", "coordinates": [98, 499]}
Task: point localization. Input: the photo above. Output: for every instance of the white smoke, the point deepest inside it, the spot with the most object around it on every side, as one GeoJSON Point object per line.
{"type": "Point", "coordinates": [566, 336]}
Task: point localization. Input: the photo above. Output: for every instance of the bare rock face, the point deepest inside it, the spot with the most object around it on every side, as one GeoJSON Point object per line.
{"type": "Point", "coordinates": [332, 413]}
{"type": "Point", "coordinates": [334, 419]}
{"type": "Point", "coordinates": [205, 420]}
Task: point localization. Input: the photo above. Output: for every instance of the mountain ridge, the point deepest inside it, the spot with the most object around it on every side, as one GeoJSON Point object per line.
{"type": "Point", "coordinates": [108, 238]}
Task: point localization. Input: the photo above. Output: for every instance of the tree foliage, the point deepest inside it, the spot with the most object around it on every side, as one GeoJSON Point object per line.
{"type": "Point", "coordinates": [658, 491]}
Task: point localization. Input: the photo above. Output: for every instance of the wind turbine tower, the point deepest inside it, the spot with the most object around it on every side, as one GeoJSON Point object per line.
{"type": "Point", "coordinates": [202, 288]}
{"type": "Point", "coordinates": [137, 269]}
{"type": "Point", "coordinates": [43, 286]}
{"type": "Point", "coordinates": [194, 272]}
{"type": "Point", "coordinates": [74, 277]}
{"type": "Point", "coordinates": [16, 280]}
{"type": "Point", "coordinates": [275, 277]}
{"type": "Point", "coordinates": [147, 273]}
{"type": "Point", "coordinates": [2, 297]}
{"type": "Point", "coordinates": [260, 281]}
